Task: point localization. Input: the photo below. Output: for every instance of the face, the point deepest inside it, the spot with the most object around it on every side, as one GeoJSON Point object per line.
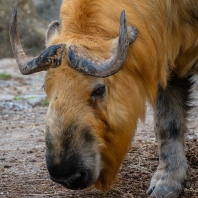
{"type": "Point", "coordinates": [73, 127]}
{"type": "Point", "coordinates": [87, 134]}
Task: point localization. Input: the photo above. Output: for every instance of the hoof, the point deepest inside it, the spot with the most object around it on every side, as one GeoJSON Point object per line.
{"type": "Point", "coordinates": [168, 183]}
{"type": "Point", "coordinates": [159, 192]}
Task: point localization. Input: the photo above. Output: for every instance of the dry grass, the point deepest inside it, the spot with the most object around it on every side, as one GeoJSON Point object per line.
{"type": "Point", "coordinates": [24, 174]}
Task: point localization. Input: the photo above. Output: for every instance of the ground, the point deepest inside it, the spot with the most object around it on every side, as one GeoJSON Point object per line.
{"type": "Point", "coordinates": [23, 170]}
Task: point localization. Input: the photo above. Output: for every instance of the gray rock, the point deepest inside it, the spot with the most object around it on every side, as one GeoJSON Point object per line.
{"type": "Point", "coordinates": [31, 26]}
{"type": "Point", "coordinates": [48, 9]}
{"type": "Point", "coordinates": [8, 83]}
{"type": "Point", "coordinates": [14, 105]}
{"type": "Point", "coordinates": [34, 100]}
{"type": "Point", "coordinates": [21, 103]}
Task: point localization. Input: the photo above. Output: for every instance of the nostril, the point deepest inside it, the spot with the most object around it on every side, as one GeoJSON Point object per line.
{"type": "Point", "coordinates": [74, 178]}
{"type": "Point", "coordinates": [80, 176]}
{"type": "Point", "coordinates": [75, 181]}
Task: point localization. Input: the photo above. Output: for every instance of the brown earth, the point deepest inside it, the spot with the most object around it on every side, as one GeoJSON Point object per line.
{"type": "Point", "coordinates": [22, 147]}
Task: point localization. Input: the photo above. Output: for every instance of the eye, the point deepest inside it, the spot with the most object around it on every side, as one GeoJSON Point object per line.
{"type": "Point", "coordinates": [98, 92]}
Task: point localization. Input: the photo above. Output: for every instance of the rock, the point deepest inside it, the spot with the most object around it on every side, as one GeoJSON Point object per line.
{"type": "Point", "coordinates": [33, 19]}
{"type": "Point", "coordinates": [14, 105]}
{"type": "Point", "coordinates": [8, 83]}
{"type": "Point", "coordinates": [23, 103]}
{"type": "Point", "coordinates": [30, 25]}
{"type": "Point", "coordinates": [48, 10]}
{"type": "Point", "coordinates": [34, 100]}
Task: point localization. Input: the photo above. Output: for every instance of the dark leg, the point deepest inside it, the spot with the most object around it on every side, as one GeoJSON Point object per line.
{"type": "Point", "coordinates": [171, 110]}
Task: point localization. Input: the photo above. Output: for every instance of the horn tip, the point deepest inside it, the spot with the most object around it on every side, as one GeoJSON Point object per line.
{"type": "Point", "coordinates": [123, 26]}
{"type": "Point", "coordinates": [123, 12]}
{"type": "Point", "coordinates": [14, 13]}
{"type": "Point", "coordinates": [14, 16]}
{"type": "Point", "coordinates": [123, 15]}
{"type": "Point", "coordinates": [123, 18]}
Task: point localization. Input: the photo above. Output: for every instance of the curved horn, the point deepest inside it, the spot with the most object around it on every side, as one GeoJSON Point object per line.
{"type": "Point", "coordinates": [51, 57]}
{"type": "Point", "coordinates": [109, 66]}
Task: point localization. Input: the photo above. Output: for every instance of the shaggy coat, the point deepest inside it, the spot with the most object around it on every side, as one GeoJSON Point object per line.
{"type": "Point", "coordinates": [91, 120]}
{"type": "Point", "coordinates": [167, 43]}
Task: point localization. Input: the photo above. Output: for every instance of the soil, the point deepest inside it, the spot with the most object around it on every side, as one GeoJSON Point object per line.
{"type": "Point", "coordinates": [23, 170]}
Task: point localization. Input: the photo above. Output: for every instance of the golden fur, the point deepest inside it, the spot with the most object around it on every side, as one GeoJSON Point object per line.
{"type": "Point", "coordinates": [167, 41]}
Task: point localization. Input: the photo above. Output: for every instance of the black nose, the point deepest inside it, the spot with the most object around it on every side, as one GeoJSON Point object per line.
{"type": "Point", "coordinates": [70, 173]}
{"type": "Point", "coordinates": [75, 181]}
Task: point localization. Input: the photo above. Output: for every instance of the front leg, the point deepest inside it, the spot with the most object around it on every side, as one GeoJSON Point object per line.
{"type": "Point", "coordinates": [170, 126]}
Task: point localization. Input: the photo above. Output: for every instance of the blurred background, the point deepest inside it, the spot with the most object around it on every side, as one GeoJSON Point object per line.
{"type": "Point", "coordinates": [33, 19]}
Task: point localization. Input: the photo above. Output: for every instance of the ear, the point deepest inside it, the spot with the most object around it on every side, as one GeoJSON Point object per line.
{"type": "Point", "coordinates": [52, 29]}
{"type": "Point", "coordinates": [132, 35]}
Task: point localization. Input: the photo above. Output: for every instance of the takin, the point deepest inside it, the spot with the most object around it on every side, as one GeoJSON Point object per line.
{"type": "Point", "coordinates": [102, 67]}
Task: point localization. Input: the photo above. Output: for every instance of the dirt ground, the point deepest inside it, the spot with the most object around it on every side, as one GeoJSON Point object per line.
{"type": "Point", "coordinates": [23, 171]}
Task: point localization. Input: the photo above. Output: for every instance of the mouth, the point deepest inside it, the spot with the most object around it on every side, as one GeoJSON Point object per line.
{"type": "Point", "coordinates": [79, 181]}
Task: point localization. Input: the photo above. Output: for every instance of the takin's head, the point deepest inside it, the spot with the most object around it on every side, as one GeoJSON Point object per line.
{"type": "Point", "coordinates": [89, 122]}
